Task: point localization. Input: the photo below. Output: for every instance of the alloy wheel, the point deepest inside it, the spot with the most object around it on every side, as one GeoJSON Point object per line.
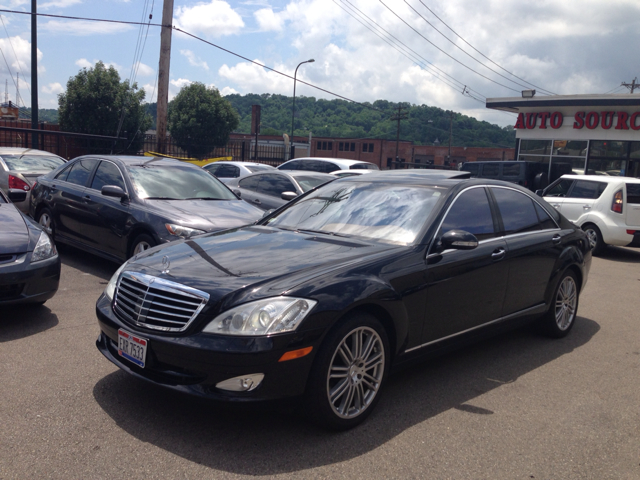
{"type": "Point", "coordinates": [356, 372]}
{"type": "Point", "coordinates": [592, 236]}
{"type": "Point", "coordinates": [566, 303]}
{"type": "Point", "coordinates": [141, 247]}
{"type": "Point", "coordinates": [45, 223]}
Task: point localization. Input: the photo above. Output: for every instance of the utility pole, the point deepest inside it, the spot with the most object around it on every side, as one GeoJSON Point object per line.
{"type": "Point", "coordinates": [399, 116]}
{"type": "Point", "coordinates": [163, 75]}
{"type": "Point", "coordinates": [450, 135]}
{"type": "Point", "coordinates": [631, 86]}
{"type": "Point", "coordinates": [34, 74]}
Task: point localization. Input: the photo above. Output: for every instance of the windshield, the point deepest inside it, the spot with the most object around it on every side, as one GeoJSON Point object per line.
{"type": "Point", "coordinates": [307, 183]}
{"type": "Point", "coordinates": [32, 163]}
{"type": "Point", "coordinates": [258, 168]}
{"type": "Point", "coordinates": [388, 212]}
{"type": "Point", "coordinates": [177, 182]}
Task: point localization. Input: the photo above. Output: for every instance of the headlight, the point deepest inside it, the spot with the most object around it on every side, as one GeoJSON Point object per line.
{"type": "Point", "coordinates": [263, 317]}
{"type": "Point", "coordinates": [44, 249]}
{"type": "Point", "coordinates": [180, 231]}
{"type": "Point", "coordinates": [111, 286]}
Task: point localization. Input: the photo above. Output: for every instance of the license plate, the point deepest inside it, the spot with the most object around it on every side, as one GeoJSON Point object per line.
{"type": "Point", "coordinates": [132, 348]}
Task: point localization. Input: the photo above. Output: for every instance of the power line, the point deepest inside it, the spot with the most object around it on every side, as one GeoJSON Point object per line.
{"type": "Point", "coordinates": [474, 48]}
{"type": "Point", "coordinates": [451, 57]}
{"type": "Point", "coordinates": [14, 51]}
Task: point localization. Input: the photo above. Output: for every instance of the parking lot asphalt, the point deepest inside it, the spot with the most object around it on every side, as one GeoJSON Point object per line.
{"type": "Point", "coordinates": [517, 406]}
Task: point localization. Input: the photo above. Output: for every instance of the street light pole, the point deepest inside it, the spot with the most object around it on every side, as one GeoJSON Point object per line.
{"type": "Point", "coordinates": [293, 110]}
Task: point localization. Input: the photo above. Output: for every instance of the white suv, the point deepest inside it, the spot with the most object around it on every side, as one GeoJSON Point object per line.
{"type": "Point", "coordinates": [606, 208]}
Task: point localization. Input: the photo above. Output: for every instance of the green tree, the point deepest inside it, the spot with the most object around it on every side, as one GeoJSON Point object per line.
{"type": "Point", "coordinates": [97, 102]}
{"type": "Point", "coordinates": [200, 119]}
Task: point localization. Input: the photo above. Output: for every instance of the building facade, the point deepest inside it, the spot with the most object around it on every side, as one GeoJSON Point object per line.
{"type": "Point", "coordinates": [580, 134]}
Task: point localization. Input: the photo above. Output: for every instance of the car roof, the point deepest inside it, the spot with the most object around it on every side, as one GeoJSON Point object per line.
{"type": "Point", "coordinates": [339, 161]}
{"type": "Point", "coordinates": [301, 173]}
{"type": "Point", "coordinates": [234, 162]}
{"type": "Point", "coordinates": [134, 160]}
{"type": "Point", "coordinates": [440, 178]}
{"type": "Point", "coordinates": [22, 151]}
{"type": "Point", "coordinates": [603, 178]}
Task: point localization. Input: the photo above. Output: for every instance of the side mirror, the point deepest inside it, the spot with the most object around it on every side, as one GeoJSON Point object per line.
{"type": "Point", "coordinates": [459, 240]}
{"type": "Point", "coordinates": [113, 191]}
{"type": "Point", "coordinates": [17, 195]}
{"type": "Point", "coordinates": [237, 192]}
{"type": "Point", "coordinates": [288, 196]}
{"type": "Point", "coordinates": [539, 192]}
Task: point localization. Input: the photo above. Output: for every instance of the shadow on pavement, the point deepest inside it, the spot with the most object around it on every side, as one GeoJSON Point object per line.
{"type": "Point", "coordinates": [87, 262]}
{"type": "Point", "coordinates": [255, 441]}
{"type": "Point", "coordinates": [21, 321]}
{"type": "Point", "coordinates": [621, 254]}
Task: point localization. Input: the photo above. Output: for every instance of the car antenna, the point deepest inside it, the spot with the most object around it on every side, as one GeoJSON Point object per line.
{"type": "Point", "coordinates": [152, 160]}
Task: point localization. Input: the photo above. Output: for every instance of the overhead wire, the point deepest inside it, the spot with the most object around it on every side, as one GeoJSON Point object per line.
{"type": "Point", "coordinates": [529, 84]}
{"type": "Point", "coordinates": [14, 52]}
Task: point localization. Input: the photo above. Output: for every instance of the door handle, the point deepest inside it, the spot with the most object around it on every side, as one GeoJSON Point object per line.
{"type": "Point", "coordinates": [586, 207]}
{"type": "Point", "coordinates": [498, 254]}
{"type": "Point", "coordinates": [556, 239]}
{"type": "Point", "coordinates": [87, 197]}
{"type": "Point", "coordinates": [555, 205]}
{"type": "Point", "coordinates": [257, 200]}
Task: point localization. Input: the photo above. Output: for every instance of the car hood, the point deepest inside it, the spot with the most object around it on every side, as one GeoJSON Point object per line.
{"type": "Point", "coordinates": [14, 234]}
{"type": "Point", "coordinates": [207, 215]}
{"type": "Point", "coordinates": [252, 262]}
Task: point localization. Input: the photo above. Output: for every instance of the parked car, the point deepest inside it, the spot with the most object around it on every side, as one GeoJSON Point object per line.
{"type": "Point", "coordinates": [29, 261]}
{"type": "Point", "coordinates": [118, 206]}
{"type": "Point", "coordinates": [532, 175]}
{"type": "Point", "coordinates": [326, 165]}
{"type": "Point", "coordinates": [19, 167]}
{"type": "Point", "coordinates": [350, 173]}
{"type": "Point", "coordinates": [323, 297]}
{"type": "Point", "coordinates": [273, 189]}
{"type": "Point", "coordinates": [226, 171]}
{"type": "Point", "coordinates": [606, 208]}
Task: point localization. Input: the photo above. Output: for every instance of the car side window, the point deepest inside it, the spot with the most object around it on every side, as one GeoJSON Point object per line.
{"type": "Point", "coordinates": [511, 169]}
{"type": "Point", "coordinates": [472, 169]}
{"type": "Point", "coordinates": [328, 167]}
{"type": "Point", "coordinates": [633, 193]}
{"type": "Point", "coordinates": [212, 168]}
{"type": "Point", "coordinates": [250, 183]}
{"type": "Point", "coordinates": [559, 189]}
{"type": "Point", "coordinates": [470, 212]}
{"type": "Point", "coordinates": [587, 189]}
{"type": "Point", "coordinates": [295, 165]}
{"type": "Point", "coordinates": [274, 185]}
{"type": "Point", "coordinates": [62, 175]}
{"type": "Point", "coordinates": [490, 170]}
{"type": "Point", "coordinates": [227, 171]}
{"type": "Point", "coordinates": [107, 174]}
{"type": "Point", "coordinates": [517, 211]}
{"type": "Point", "coordinates": [80, 171]}
{"type": "Point", "coordinates": [546, 222]}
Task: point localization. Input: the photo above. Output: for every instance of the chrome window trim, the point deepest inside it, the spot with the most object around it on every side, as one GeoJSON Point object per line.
{"type": "Point", "coordinates": [497, 320]}
{"type": "Point", "coordinates": [126, 190]}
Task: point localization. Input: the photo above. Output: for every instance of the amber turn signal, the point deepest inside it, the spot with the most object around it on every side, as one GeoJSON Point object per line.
{"type": "Point", "coordinates": [293, 354]}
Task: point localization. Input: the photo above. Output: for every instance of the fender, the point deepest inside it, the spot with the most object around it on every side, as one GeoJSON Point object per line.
{"type": "Point", "coordinates": [570, 256]}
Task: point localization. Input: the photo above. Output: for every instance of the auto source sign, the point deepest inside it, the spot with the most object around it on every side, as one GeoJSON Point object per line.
{"type": "Point", "coordinates": [591, 120]}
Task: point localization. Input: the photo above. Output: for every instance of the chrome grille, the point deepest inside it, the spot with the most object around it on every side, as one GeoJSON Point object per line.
{"type": "Point", "coordinates": [156, 303]}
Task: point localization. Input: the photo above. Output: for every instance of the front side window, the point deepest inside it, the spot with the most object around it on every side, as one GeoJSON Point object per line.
{"type": "Point", "coordinates": [107, 174]}
{"type": "Point", "coordinates": [176, 182]}
{"type": "Point", "coordinates": [517, 211]}
{"type": "Point", "coordinates": [227, 171]}
{"type": "Point", "coordinates": [470, 212]}
{"type": "Point", "coordinates": [386, 212]}
{"type": "Point", "coordinates": [559, 189]}
{"type": "Point", "coordinates": [275, 185]}
{"type": "Point", "coordinates": [586, 189]}
{"type": "Point", "coordinates": [250, 183]}
{"type": "Point", "coordinates": [80, 171]}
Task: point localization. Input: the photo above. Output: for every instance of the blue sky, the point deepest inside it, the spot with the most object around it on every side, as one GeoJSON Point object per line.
{"type": "Point", "coordinates": [488, 48]}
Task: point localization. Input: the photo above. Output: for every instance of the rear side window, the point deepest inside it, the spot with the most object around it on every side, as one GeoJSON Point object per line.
{"type": "Point", "coordinates": [546, 222]}
{"type": "Point", "coordinates": [63, 174]}
{"type": "Point", "coordinates": [250, 183]}
{"type": "Point", "coordinates": [511, 169]}
{"type": "Point", "coordinates": [586, 189]}
{"type": "Point", "coordinates": [517, 211]}
{"type": "Point", "coordinates": [80, 171]}
{"type": "Point", "coordinates": [295, 165]}
{"type": "Point", "coordinates": [633, 193]}
{"type": "Point", "coordinates": [275, 185]}
{"type": "Point", "coordinates": [227, 171]}
{"type": "Point", "coordinates": [490, 170]}
{"type": "Point", "coordinates": [470, 212]}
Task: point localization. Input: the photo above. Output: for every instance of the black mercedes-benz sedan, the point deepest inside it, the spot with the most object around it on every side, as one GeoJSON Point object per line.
{"type": "Point", "coordinates": [29, 262]}
{"type": "Point", "coordinates": [321, 298]}
{"type": "Point", "coordinates": [117, 206]}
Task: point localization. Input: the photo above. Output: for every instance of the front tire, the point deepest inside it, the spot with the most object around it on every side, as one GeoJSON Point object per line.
{"type": "Point", "coordinates": [141, 243]}
{"type": "Point", "coordinates": [595, 238]}
{"type": "Point", "coordinates": [560, 318]}
{"type": "Point", "coordinates": [45, 220]}
{"type": "Point", "coordinates": [348, 373]}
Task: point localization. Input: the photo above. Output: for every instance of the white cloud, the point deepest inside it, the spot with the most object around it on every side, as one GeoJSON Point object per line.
{"type": "Point", "coordinates": [176, 85]}
{"type": "Point", "coordinates": [214, 19]}
{"type": "Point", "coordinates": [228, 91]}
{"type": "Point", "coordinates": [194, 60]}
{"type": "Point", "coordinates": [53, 88]}
{"type": "Point", "coordinates": [269, 21]}
{"type": "Point", "coordinates": [84, 63]}
{"type": "Point", "coordinates": [59, 4]}
{"type": "Point", "coordinates": [144, 70]}
{"type": "Point", "coordinates": [82, 28]}
{"type": "Point", "coordinates": [21, 60]}
{"type": "Point", "coordinates": [151, 92]}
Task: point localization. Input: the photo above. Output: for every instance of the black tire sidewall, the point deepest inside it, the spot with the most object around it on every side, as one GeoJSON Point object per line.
{"type": "Point", "coordinates": [317, 404]}
{"type": "Point", "coordinates": [143, 237]}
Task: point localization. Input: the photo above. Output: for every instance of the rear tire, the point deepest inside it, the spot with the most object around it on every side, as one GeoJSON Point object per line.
{"type": "Point", "coordinates": [141, 243]}
{"type": "Point", "coordinates": [560, 318]}
{"type": "Point", "coordinates": [595, 238]}
{"type": "Point", "coordinates": [348, 373]}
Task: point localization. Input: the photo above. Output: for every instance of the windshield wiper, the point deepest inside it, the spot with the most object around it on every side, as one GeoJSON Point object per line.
{"type": "Point", "coordinates": [203, 198]}
{"type": "Point", "coordinates": [304, 230]}
{"type": "Point", "coordinates": [161, 198]}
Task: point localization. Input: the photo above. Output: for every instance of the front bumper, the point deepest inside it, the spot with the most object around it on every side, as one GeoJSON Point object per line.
{"type": "Point", "coordinates": [24, 282]}
{"type": "Point", "coordinates": [194, 363]}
